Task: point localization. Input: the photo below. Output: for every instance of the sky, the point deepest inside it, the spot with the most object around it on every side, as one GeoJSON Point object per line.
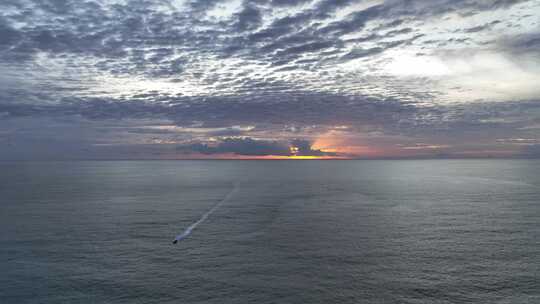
{"type": "Point", "coordinates": [269, 79]}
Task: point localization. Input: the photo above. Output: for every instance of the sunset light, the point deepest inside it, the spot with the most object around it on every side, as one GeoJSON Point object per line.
{"type": "Point", "coordinates": [270, 151]}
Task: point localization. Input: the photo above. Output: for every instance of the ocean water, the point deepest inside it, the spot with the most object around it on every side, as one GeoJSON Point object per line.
{"type": "Point", "coordinates": [429, 231]}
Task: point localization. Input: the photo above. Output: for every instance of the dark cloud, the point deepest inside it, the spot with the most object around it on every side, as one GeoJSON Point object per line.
{"type": "Point", "coordinates": [289, 2]}
{"type": "Point", "coordinates": [8, 35]}
{"type": "Point", "coordinates": [254, 147]}
{"type": "Point", "coordinates": [359, 53]}
{"type": "Point", "coordinates": [483, 27]}
{"type": "Point", "coordinates": [250, 18]}
{"type": "Point", "coordinates": [239, 146]}
{"type": "Point", "coordinates": [306, 48]}
{"type": "Point", "coordinates": [354, 21]}
{"type": "Point", "coordinates": [532, 151]}
{"type": "Point", "coordinates": [525, 43]}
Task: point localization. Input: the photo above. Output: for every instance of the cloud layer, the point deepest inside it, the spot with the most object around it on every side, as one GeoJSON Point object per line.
{"type": "Point", "coordinates": [389, 78]}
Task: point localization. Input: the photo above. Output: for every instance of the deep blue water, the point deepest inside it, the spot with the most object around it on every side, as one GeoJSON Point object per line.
{"type": "Point", "coordinates": [441, 231]}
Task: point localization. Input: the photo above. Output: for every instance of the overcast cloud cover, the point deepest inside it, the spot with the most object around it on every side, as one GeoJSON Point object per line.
{"type": "Point", "coordinates": [130, 79]}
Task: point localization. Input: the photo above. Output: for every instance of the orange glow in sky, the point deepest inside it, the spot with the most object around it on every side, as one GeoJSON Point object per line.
{"type": "Point", "coordinates": [338, 142]}
{"type": "Point", "coordinates": [232, 156]}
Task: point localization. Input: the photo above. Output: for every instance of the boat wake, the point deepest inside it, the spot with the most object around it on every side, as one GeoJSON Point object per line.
{"type": "Point", "coordinates": [203, 218]}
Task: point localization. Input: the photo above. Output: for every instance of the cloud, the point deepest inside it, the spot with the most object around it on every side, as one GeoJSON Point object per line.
{"type": "Point", "coordinates": [483, 27]}
{"type": "Point", "coordinates": [289, 2]}
{"type": "Point", "coordinates": [532, 151]}
{"type": "Point", "coordinates": [254, 147]}
{"type": "Point", "coordinates": [403, 68]}
{"type": "Point", "coordinates": [522, 44]}
{"type": "Point", "coordinates": [304, 148]}
{"type": "Point", "coordinates": [249, 18]}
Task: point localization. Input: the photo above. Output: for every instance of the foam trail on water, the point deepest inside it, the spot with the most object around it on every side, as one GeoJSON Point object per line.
{"type": "Point", "coordinates": [203, 218]}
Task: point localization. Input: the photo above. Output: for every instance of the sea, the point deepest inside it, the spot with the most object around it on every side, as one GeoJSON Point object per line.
{"type": "Point", "coordinates": [310, 231]}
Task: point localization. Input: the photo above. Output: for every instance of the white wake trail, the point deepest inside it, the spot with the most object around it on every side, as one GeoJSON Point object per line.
{"type": "Point", "coordinates": [203, 218]}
